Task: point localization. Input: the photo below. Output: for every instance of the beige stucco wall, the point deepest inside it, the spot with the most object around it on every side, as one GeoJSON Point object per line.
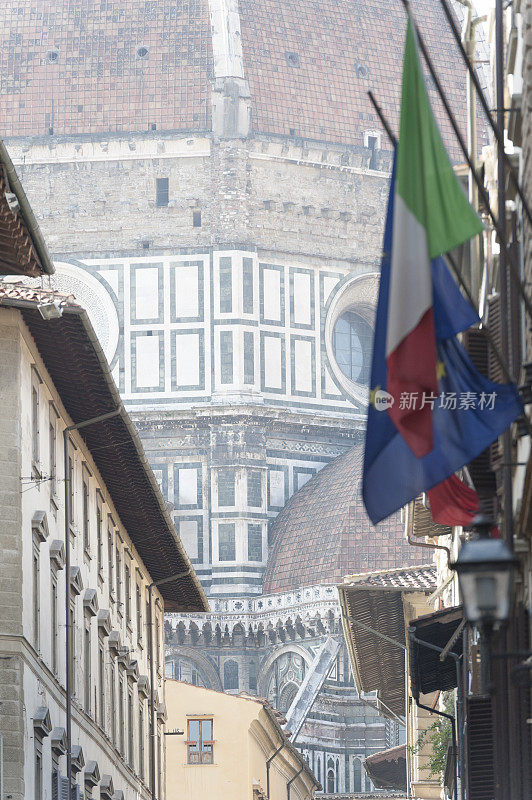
{"type": "Point", "coordinates": [244, 737]}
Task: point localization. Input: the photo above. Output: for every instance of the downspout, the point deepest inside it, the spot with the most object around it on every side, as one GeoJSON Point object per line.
{"type": "Point", "coordinates": [268, 762]}
{"type": "Point", "coordinates": [68, 634]}
{"type": "Point", "coordinates": [444, 652]}
{"type": "Point", "coordinates": [290, 782]}
{"type": "Point", "coordinates": [153, 732]}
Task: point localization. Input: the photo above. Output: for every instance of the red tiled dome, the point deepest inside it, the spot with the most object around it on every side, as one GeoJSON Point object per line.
{"type": "Point", "coordinates": [323, 533]}
{"type": "Point", "coordinates": [87, 66]}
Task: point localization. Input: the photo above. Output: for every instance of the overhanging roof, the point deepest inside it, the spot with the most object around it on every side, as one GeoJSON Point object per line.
{"type": "Point", "coordinates": [374, 629]}
{"type": "Point", "coordinates": [428, 671]}
{"type": "Point", "coordinates": [76, 363]}
{"type": "Point", "coordinates": [22, 247]}
{"type": "Point", "coordinates": [387, 768]}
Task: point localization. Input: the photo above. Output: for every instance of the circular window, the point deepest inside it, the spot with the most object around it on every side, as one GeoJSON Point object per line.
{"type": "Point", "coordinates": [352, 342]}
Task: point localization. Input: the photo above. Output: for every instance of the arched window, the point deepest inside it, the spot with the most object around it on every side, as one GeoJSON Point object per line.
{"type": "Point", "coordinates": [338, 775]}
{"type": "Point", "coordinates": [230, 675]}
{"type": "Point", "coordinates": [288, 694]}
{"type": "Point", "coordinates": [357, 776]}
{"type": "Point", "coordinates": [318, 769]}
{"type": "Point", "coordinates": [331, 783]}
{"type": "Point", "coordinates": [352, 346]}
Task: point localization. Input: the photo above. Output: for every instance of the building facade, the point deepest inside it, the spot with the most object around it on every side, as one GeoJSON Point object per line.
{"type": "Point", "coordinates": [106, 579]}
{"type": "Point", "coordinates": [230, 746]}
{"type": "Point", "coordinates": [224, 178]}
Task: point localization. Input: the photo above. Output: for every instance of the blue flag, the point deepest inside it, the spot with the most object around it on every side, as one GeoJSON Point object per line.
{"type": "Point", "coordinates": [468, 411]}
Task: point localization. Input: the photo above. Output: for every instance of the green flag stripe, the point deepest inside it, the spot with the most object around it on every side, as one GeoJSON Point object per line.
{"type": "Point", "coordinates": [425, 178]}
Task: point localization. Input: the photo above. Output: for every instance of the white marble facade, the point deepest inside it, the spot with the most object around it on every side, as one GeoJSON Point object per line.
{"type": "Point", "coordinates": [221, 327]}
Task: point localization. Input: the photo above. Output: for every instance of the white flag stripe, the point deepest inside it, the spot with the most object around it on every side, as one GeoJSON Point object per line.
{"type": "Point", "coordinates": [410, 276]}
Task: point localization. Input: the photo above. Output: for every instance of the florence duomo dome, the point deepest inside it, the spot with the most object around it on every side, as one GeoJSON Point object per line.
{"type": "Point", "coordinates": [211, 180]}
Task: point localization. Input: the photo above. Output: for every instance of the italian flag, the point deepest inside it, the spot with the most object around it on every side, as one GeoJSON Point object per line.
{"type": "Point", "coordinates": [431, 215]}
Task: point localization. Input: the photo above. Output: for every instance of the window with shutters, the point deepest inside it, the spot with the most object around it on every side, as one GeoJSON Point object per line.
{"type": "Point", "coordinates": [38, 768]}
{"type": "Point", "coordinates": [127, 593]}
{"type": "Point", "coordinates": [480, 748]}
{"type": "Point", "coordinates": [112, 704]}
{"type": "Point", "coordinates": [35, 444]}
{"type": "Point", "coordinates": [200, 742]}
{"type": "Point", "coordinates": [110, 561]}
{"type": "Point", "coordinates": [139, 613]}
{"type": "Point", "coordinates": [87, 678]}
{"type": "Point", "coordinates": [54, 621]}
{"type": "Point", "coordinates": [71, 493]}
{"type": "Point", "coordinates": [99, 540]}
{"type": "Point", "coordinates": [121, 719]}
{"type": "Point", "coordinates": [86, 521]}
{"type": "Point", "coordinates": [142, 734]}
{"type": "Point", "coordinates": [56, 777]}
{"type": "Point", "coordinates": [101, 685]}
{"type": "Point", "coordinates": [118, 578]}
{"type": "Point", "coordinates": [36, 580]}
{"type": "Point", "coordinates": [52, 450]}
{"type": "Point", "coordinates": [130, 730]}
{"type": "Point", "coordinates": [72, 633]}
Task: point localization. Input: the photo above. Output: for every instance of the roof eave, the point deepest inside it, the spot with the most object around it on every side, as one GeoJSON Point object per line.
{"type": "Point", "coordinates": [26, 212]}
{"type": "Point", "coordinates": [201, 602]}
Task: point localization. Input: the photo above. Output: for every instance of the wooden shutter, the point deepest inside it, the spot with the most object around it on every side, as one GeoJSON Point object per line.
{"type": "Point", "coordinates": [480, 469]}
{"type": "Point", "coordinates": [480, 749]}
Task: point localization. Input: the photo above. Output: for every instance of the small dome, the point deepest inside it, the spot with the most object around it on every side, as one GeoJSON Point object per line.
{"type": "Point", "coordinates": [323, 533]}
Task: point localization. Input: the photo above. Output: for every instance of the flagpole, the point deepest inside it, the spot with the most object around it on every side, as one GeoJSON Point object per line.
{"type": "Point", "coordinates": [484, 329]}
{"type": "Point", "coordinates": [501, 232]}
{"type": "Point", "coordinates": [485, 107]}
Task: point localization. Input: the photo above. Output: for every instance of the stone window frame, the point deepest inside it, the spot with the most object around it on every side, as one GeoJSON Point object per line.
{"type": "Point", "coordinates": [36, 591]}
{"type": "Point", "coordinates": [54, 620]}
{"type": "Point", "coordinates": [100, 502]}
{"type": "Point", "coordinates": [86, 508]}
{"type": "Point", "coordinates": [35, 409]}
{"type": "Point", "coordinates": [87, 664]}
{"type": "Point", "coordinates": [53, 420]}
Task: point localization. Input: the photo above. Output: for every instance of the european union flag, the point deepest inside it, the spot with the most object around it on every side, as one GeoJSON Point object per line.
{"type": "Point", "coordinates": [468, 411]}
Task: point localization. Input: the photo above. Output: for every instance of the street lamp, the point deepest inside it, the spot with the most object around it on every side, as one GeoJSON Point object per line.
{"type": "Point", "coordinates": [485, 568]}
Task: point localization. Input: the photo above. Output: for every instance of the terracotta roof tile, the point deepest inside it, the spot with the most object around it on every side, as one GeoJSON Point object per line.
{"type": "Point", "coordinates": [414, 578]}
{"type": "Point", "coordinates": [77, 67]}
